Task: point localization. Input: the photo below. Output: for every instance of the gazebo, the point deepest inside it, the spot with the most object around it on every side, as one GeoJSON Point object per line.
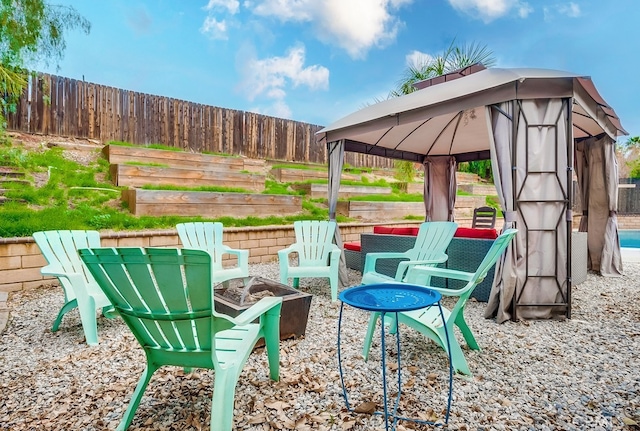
{"type": "Point", "coordinates": [538, 127]}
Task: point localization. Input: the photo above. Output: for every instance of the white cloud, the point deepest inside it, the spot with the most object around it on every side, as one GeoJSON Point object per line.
{"type": "Point", "coordinates": [489, 10]}
{"type": "Point", "coordinates": [355, 25]}
{"type": "Point", "coordinates": [416, 59]}
{"type": "Point", "coordinates": [231, 6]}
{"type": "Point", "coordinates": [570, 9]}
{"type": "Point", "coordinates": [213, 28]}
{"type": "Point", "coordinates": [270, 78]}
{"type": "Point", "coordinates": [524, 10]}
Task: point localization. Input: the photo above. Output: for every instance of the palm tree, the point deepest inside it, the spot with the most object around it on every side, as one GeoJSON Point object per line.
{"type": "Point", "coordinates": [453, 58]}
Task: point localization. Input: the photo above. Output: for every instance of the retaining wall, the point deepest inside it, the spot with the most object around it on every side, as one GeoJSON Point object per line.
{"type": "Point", "coordinates": [21, 260]}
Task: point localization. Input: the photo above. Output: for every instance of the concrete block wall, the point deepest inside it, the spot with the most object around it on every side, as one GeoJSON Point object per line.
{"type": "Point", "coordinates": [21, 260]}
{"type": "Point", "coordinates": [628, 222]}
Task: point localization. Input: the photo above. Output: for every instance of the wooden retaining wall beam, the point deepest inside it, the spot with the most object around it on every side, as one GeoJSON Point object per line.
{"type": "Point", "coordinates": [118, 154]}
{"type": "Point", "coordinates": [209, 204]}
{"type": "Point", "coordinates": [138, 176]}
{"type": "Point", "coordinates": [317, 191]}
{"type": "Point", "coordinates": [289, 175]}
{"type": "Point", "coordinates": [369, 210]}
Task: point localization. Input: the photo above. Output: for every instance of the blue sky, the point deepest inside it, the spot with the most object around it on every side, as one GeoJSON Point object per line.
{"type": "Point", "coordinates": [318, 60]}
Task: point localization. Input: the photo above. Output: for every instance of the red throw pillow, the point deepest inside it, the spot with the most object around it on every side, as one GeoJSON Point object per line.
{"type": "Point", "coordinates": [353, 246]}
{"type": "Point", "coordinates": [468, 232]}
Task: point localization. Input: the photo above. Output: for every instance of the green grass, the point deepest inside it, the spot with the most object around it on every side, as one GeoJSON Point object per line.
{"type": "Point", "coordinates": [72, 198]}
{"type": "Point", "coordinates": [218, 189]}
{"type": "Point", "coordinates": [153, 146]}
{"type": "Point", "coordinates": [75, 196]}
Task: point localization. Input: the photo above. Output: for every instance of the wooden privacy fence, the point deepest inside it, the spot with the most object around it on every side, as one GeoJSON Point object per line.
{"type": "Point", "coordinates": [54, 105]}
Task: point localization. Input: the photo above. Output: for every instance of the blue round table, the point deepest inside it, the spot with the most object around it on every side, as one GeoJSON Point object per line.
{"type": "Point", "coordinates": [393, 298]}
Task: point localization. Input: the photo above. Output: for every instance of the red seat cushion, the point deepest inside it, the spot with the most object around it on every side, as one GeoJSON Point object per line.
{"type": "Point", "coordinates": [468, 232]}
{"type": "Point", "coordinates": [353, 246]}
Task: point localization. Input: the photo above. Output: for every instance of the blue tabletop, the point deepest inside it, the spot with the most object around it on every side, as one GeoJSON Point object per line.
{"type": "Point", "coordinates": [389, 297]}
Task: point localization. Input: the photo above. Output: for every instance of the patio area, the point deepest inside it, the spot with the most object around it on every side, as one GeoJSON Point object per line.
{"type": "Point", "coordinates": [544, 375]}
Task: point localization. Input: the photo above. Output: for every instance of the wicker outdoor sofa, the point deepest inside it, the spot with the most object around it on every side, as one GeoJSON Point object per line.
{"type": "Point", "coordinates": [464, 253]}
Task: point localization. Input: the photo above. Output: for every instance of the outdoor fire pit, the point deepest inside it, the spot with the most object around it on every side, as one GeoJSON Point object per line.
{"type": "Point", "coordinates": [234, 296]}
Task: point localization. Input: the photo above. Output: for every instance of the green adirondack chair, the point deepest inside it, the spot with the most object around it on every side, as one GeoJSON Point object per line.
{"type": "Point", "coordinates": [431, 243]}
{"type": "Point", "coordinates": [318, 256]}
{"type": "Point", "coordinates": [428, 321]}
{"type": "Point", "coordinates": [208, 236]}
{"type": "Point", "coordinates": [60, 249]}
{"type": "Point", "coordinates": [165, 297]}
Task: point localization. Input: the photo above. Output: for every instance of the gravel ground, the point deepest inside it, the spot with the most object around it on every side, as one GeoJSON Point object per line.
{"type": "Point", "coordinates": [579, 374]}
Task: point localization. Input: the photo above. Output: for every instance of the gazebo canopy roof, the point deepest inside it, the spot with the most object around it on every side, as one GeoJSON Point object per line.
{"type": "Point", "coordinates": [449, 118]}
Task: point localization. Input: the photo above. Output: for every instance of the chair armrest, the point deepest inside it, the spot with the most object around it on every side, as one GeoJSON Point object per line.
{"type": "Point", "coordinates": [405, 266]}
{"type": "Point", "coordinates": [243, 255]}
{"type": "Point", "coordinates": [252, 313]}
{"type": "Point", "coordinates": [446, 273]}
{"type": "Point", "coordinates": [443, 273]}
{"type": "Point", "coordinates": [53, 270]}
{"type": "Point", "coordinates": [287, 251]}
{"type": "Point", "coordinates": [372, 258]}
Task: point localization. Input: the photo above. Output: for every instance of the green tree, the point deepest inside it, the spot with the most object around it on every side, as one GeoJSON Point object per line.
{"type": "Point", "coordinates": [453, 58]}
{"type": "Point", "coordinates": [629, 158]}
{"type": "Point", "coordinates": [30, 31]}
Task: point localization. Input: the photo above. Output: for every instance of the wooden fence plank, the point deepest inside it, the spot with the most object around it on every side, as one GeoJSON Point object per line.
{"type": "Point", "coordinates": [63, 106]}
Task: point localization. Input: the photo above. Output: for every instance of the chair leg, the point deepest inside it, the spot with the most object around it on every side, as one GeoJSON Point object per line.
{"type": "Point", "coordinates": [224, 391]}
{"type": "Point", "coordinates": [136, 397]}
{"type": "Point", "coordinates": [373, 318]}
{"type": "Point", "coordinates": [109, 312]}
{"type": "Point", "coordinates": [333, 280]}
{"type": "Point", "coordinates": [272, 342]}
{"type": "Point", "coordinates": [466, 332]}
{"type": "Point", "coordinates": [64, 310]}
{"type": "Point", "coordinates": [89, 321]}
{"type": "Point", "coordinates": [458, 360]}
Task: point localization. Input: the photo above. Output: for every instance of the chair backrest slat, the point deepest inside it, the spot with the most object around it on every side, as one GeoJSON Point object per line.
{"type": "Point", "coordinates": [203, 236]}
{"type": "Point", "coordinates": [61, 247]}
{"type": "Point", "coordinates": [496, 250]}
{"type": "Point", "coordinates": [314, 239]}
{"type": "Point", "coordinates": [484, 217]}
{"type": "Point", "coordinates": [432, 240]}
{"type": "Point", "coordinates": [157, 292]}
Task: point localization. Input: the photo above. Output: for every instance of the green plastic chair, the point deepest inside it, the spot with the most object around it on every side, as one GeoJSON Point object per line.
{"type": "Point", "coordinates": [428, 321]}
{"type": "Point", "coordinates": [318, 256]}
{"type": "Point", "coordinates": [431, 243]}
{"type": "Point", "coordinates": [208, 236]}
{"type": "Point", "coordinates": [60, 249]}
{"type": "Point", "coordinates": [165, 297]}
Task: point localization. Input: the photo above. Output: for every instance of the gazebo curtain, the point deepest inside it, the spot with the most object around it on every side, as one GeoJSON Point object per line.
{"type": "Point", "coordinates": [439, 187]}
{"type": "Point", "coordinates": [597, 173]}
{"type": "Point", "coordinates": [336, 161]}
{"type": "Point", "coordinates": [529, 154]}
{"type": "Point", "coordinates": [500, 119]}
